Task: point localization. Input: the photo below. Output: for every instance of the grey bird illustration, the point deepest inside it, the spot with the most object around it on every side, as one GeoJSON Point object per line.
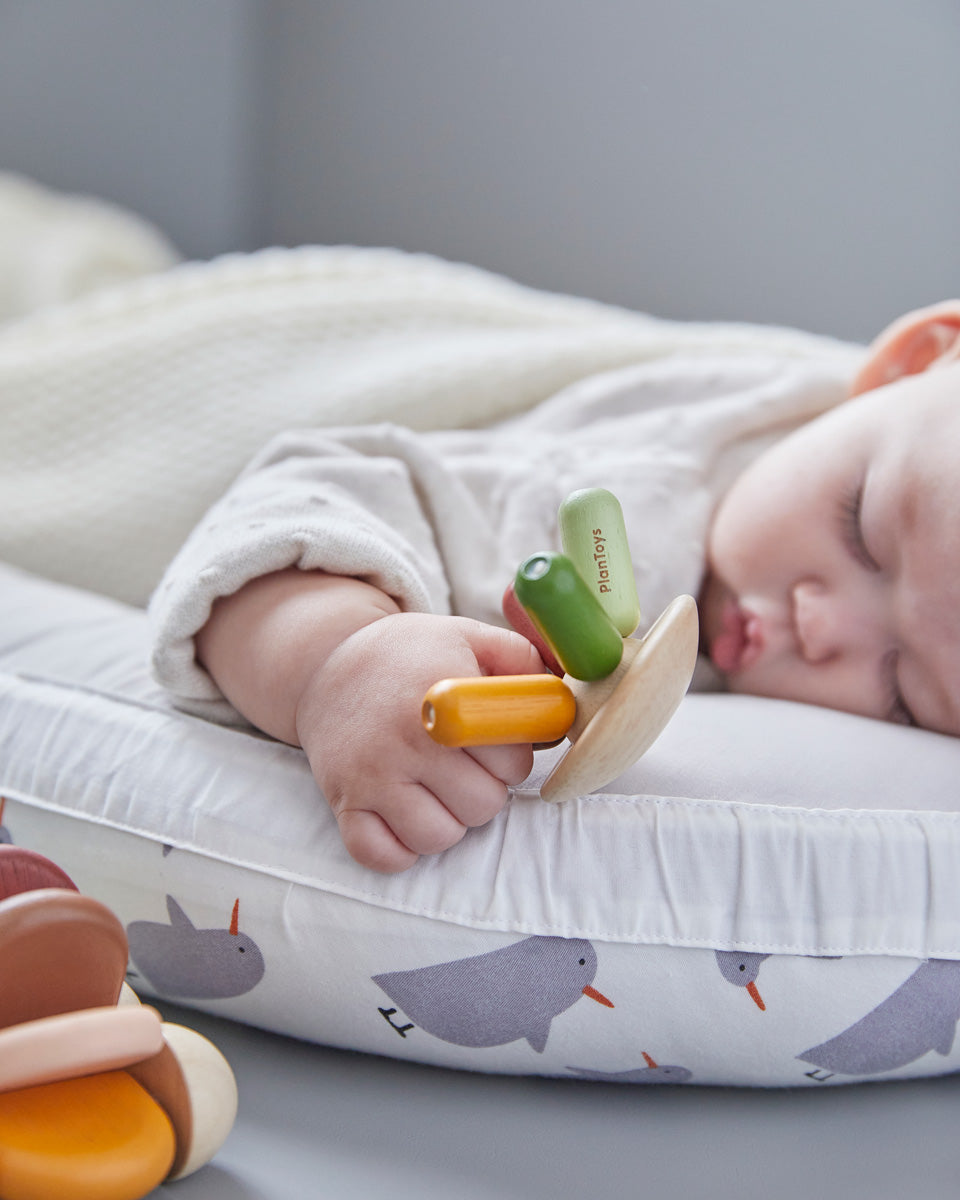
{"type": "Point", "coordinates": [180, 960]}
{"type": "Point", "coordinates": [742, 969]}
{"type": "Point", "coordinates": [651, 1073]}
{"type": "Point", "coordinates": [502, 996]}
{"type": "Point", "coordinates": [921, 1015]}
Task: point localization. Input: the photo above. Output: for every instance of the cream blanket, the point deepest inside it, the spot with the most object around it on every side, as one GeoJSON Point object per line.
{"type": "Point", "coordinates": [55, 247]}
{"type": "Point", "coordinates": [126, 413]}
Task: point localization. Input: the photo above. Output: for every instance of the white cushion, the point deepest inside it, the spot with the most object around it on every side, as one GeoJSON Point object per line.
{"type": "Point", "coordinates": [817, 852]}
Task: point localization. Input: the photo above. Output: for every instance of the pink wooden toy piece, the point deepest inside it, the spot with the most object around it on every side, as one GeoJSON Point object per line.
{"type": "Point", "coordinates": [79, 1043]}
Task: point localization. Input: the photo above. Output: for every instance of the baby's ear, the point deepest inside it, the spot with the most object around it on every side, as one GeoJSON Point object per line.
{"type": "Point", "coordinates": [922, 339]}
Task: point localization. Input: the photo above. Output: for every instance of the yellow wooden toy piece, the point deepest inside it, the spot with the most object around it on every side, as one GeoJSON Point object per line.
{"type": "Point", "coordinates": [490, 710]}
{"type": "Point", "coordinates": [96, 1138]}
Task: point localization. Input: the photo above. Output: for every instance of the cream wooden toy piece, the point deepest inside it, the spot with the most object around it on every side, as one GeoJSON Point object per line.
{"type": "Point", "coordinates": [619, 718]}
{"type": "Point", "coordinates": [99, 1098]}
{"type": "Point", "coordinates": [618, 692]}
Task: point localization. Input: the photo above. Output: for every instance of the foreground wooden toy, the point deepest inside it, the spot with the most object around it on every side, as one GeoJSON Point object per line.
{"type": "Point", "coordinates": [617, 694]}
{"type": "Point", "coordinates": [100, 1099]}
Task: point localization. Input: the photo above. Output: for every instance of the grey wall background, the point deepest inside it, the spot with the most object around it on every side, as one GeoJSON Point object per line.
{"type": "Point", "coordinates": [760, 160]}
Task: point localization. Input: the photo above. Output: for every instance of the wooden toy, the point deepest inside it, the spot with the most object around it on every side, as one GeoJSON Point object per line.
{"type": "Point", "coordinates": [79, 1043]}
{"type": "Point", "coordinates": [490, 710]}
{"type": "Point", "coordinates": [60, 951]}
{"type": "Point", "coordinates": [569, 615]}
{"type": "Point", "coordinates": [522, 622]}
{"type": "Point", "coordinates": [193, 1083]}
{"type": "Point", "coordinates": [580, 606]}
{"type": "Point", "coordinates": [96, 1138]}
{"type": "Point", "coordinates": [619, 718]}
{"type": "Point", "coordinates": [23, 870]}
{"type": "Point", "coordinates": [99, 1098]}
{"type": "Point", "coordinates": [594, 538]}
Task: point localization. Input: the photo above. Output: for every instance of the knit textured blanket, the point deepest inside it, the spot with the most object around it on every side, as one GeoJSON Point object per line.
{"type": "Point", "coordinates": [125, 413]}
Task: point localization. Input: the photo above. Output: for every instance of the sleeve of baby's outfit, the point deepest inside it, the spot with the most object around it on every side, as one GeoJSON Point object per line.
{"type": "Point", "coordinates": [347, 502]}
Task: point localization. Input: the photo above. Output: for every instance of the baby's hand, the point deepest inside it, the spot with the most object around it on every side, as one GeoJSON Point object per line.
{"type": "Point", "coordinates": [395, 792]}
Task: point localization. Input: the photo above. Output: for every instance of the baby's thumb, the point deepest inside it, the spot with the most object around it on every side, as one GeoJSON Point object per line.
{"type": "Point", "coordinates": [503, 652]}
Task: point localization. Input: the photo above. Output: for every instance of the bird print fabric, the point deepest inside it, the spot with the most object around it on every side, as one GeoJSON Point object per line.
{"type": "Point", "coordinates": [590, 1011]}
{"type": "Point", "coordinates": [499, 997]}
{"type": "Point", "coordinates": [182, 961]}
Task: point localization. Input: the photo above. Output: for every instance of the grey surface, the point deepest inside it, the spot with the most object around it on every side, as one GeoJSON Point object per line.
{"type": "Point", "coordinates": [318, 1123]}
{"type": "Point", "coordinates": [153, 106]}
{"type": "Point", "coordinates": [746, 159]}
{"type": "Point", "coordinates": [776, 162]}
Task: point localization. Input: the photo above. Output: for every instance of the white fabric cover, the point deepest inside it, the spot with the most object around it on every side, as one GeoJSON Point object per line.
{"type": "Point", "coordinates": [127, 413]}
{"type": "Point", "coordinates": [821, 848]}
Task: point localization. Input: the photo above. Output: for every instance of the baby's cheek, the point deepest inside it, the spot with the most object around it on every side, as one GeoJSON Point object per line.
{"type": "Point", "coordinates": [768, 500]}
{"type": "Point", "coordinates": [732, 535]}
{"type": "Point", "coordinates": [776, 680]}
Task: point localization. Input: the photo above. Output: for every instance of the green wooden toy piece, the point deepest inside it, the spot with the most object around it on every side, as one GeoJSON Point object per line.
{"type": "Point", "coordinates": [568, 614]}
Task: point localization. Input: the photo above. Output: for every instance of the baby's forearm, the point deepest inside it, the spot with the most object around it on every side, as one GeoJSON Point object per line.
{"type": "Point", "coordinates": [263, 644]}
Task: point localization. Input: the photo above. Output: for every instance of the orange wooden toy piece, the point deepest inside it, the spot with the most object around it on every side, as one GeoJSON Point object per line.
{"type": "Point", "coordinates": [101, 1137]}
{"type": "Point", "coordinates": [490, 710]}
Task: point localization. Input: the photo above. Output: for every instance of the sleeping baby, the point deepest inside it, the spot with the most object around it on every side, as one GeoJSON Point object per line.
{"type": "Point", "coordinates": [348, 570]}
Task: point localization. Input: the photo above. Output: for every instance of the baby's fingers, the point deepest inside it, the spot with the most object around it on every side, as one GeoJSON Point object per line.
{"type": "Point", "coordinates": [371, 841]}
{"type": "Point", "coordinates": [511, 764]}
{"type": "Point", "coordinates": [408, 817]}
{"type": "Point", "coordinates": [471, 793]}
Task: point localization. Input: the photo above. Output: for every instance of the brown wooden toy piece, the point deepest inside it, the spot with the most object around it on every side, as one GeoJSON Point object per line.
{"type": "Point", "coordinates": [60, 951]}
{"type": "Point", "coordinates": [620, 717]}
{"type": "Point", "coordinates": [23, 870]}
{"type": "Point", "coordinates": [193, 1083]}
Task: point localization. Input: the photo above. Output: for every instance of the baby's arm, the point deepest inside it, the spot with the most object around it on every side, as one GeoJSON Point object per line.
{"type": "Point", "coordinates": [331, 664]}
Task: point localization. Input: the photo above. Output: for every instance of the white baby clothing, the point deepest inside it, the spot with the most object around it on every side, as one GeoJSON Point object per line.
{"type": "Point", "coordinates": [441, 520]}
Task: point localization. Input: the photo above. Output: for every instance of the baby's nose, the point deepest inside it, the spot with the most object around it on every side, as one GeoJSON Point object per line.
{"type": "Point", "coordinates": [821, 622]}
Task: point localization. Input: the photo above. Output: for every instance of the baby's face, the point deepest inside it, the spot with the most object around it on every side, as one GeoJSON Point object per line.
{"type": "Point", "coordinates": [834, 560]}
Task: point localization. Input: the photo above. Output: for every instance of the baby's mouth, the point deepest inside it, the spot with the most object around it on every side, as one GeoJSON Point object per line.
{"type": "Point", "coordinates": [739, 642]}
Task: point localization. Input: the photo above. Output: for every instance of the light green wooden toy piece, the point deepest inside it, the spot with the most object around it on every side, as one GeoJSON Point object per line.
{"type": "Point", "coordinates": [594, 538]}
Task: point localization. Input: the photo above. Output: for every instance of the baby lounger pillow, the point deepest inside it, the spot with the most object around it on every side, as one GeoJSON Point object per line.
{"type": "Point", "coordinates": [771, 896]}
